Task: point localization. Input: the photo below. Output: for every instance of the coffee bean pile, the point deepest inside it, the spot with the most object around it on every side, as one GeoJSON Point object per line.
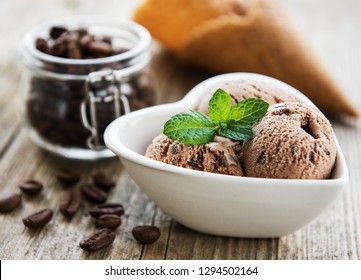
{"type": "Point", "coordinates": [53, 104]}
{"type": "Point", "coordinates": [76, 44]}
{"type": "Point", "coordinates": [107, 216]}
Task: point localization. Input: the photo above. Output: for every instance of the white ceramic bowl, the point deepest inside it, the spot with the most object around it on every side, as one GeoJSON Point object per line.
{"type": "Point", "coordinates": [214, 203]}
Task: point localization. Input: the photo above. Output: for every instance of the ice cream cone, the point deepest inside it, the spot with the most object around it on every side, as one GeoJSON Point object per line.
{"type": "Point", "coordinates": [171, 21]}
{"type": "Point", "coordinates": [248, 36]}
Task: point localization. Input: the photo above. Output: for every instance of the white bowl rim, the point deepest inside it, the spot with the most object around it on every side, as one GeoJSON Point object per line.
{"type": "Point", "coordinates": [113, 143]}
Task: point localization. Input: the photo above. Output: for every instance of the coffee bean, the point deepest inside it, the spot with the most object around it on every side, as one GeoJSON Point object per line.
{"type": "Point", "coordinates": [98, 47]}
{"type": "Point", "coordinates": [74, 51]}
{"type": "Point", "coordinates": [56, 31]}
{"type": "Point", "coordinates": [9, 203]}
{"type": "Point", "coordinates": [58, 49]}
{"type": "Point", "coordinates": [106, 208]}
{"type": "Point", "coordinates": [82, 32]}
{"type": "Point", "coordinates": [67, 177]}
{"type": "Point", "coordinates": [108, 221]}
{"type": "Point", "coordinates": [38, 219]}
{"type": "Point", "coordinates": [107, 39]}
{"type": "Point", "coordinates": [93, 194]}
{"type": "Point", "coordinates": [85, 41]}
{"type": "Point", "coordinates": [69, 203]}
{"type": "Point", "coordinates": [102, 181]}
{"type": "Point", "coordinates": [31, 187]}
{"type": "Point", "coordinates": [146, 234]}
{"type": "Point", "coordinates": [42, 45]}
{"type": "Point", "coordinates": [97, 240]}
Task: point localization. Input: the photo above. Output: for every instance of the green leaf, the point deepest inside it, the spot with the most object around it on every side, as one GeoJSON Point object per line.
{"type": "Point", "coordinates": [234, 122]}
{"type": "Point", "coordinates": [237, 132]}
{"type": "Point", "coordinates": [190, 127]}
{"type": "Point", "coordinates": [248, 111]}
{"type": "Point", "coordinates": [219, 106]}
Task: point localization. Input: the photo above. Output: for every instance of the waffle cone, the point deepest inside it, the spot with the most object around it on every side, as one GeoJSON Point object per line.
{"type": "Point", "coordinates": [259, 39]}
{"type": "Point", "coordinates": [171, 21]}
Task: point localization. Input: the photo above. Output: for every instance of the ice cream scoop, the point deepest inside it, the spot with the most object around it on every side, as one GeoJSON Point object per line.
{"type": "Point", "coordinates": [220, 156]}
{"type": "Point", "coordinates": [293, 141]}
{"type": "Point", "coordinates": [243, 89]}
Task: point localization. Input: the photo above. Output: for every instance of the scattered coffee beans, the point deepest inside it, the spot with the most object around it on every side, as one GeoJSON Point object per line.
{"type": "Point", "coordinates": [102, 181]}
{"type": "Point", "coordinates": [93, 193]}
{"type": "Point", "coordinates": [9, 203]}
{"type": "Point", "coordinates": [69, 204]}
{"type": "Point", "coordinates": [106, 208]}
{"type": "Point", "coordinates": [98, 240]}
{"type": "Point", "coordinates": [107, 214]}
{"type": "Point", "coordinates": [67, 177]}
{"type": "Point", "coordinates": [38, 219]}
{"type": "Point", "coordinates": [31, 187]}
{"type": "Point", "coordinates": [108, 221]}
{"type": "Point", "coordinates": [146, 234]}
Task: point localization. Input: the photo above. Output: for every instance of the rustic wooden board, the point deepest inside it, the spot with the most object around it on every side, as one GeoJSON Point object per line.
{"type": "Point", "coordinates": [333, 30]}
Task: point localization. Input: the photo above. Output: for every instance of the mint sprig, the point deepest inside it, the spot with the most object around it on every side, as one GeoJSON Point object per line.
{"type": "Point", "coordinates": [190, 127]}
{"type": "Point", "coordinates": [234, 122]}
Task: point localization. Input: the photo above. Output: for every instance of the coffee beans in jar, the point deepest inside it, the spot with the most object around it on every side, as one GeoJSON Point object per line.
{"type": "Point", "coordinates": [83, 73]}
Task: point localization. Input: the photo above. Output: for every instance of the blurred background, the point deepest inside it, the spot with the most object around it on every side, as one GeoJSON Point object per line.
{"type": "Point", "coordinates": [331, 28]}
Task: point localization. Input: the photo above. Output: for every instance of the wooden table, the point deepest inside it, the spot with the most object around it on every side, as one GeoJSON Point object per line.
{"type": "Point", "coordinates": [332, 29]}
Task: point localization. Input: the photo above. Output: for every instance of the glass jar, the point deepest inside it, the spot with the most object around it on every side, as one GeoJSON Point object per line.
{"type": "Point", "coordinates": [69, 102]}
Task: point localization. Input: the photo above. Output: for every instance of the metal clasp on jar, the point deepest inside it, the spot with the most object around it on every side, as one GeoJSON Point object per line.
{"type": "Point", "coordinates": [109, 93]}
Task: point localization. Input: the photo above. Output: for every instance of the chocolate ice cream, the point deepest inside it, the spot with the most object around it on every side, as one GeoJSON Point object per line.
{"type": "Point", "coordinates": [220, 156]}
{"type": "Point", "coordinates": [241, 90]}
{"type": "Point", "coordinates": [293, 141]}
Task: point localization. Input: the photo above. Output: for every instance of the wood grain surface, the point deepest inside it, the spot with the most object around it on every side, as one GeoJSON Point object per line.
{"type": "Point", "coordinates": [333, 30]}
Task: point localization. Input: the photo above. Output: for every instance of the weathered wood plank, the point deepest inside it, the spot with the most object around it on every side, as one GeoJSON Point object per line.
{"type": "Point", "coordinates": [60, 238]}
{"type": "Point", "coordinates": [10, 104]}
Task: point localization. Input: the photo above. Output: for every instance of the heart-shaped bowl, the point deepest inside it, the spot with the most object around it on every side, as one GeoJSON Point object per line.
{"type": "Point", "coordinates": [215, 203]}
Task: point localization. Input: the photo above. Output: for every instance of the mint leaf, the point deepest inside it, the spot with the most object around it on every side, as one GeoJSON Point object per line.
{"type": "Point", "coordinates": [248, 111]}
{"type": "Point", "coordinates": [237, 131]}
{"type": "Point", "coordinates": [219, 106]}
{"type": "Point", "coordinates": [233, 122]}
{"type": "Point", "coordinates": [190, 127]}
